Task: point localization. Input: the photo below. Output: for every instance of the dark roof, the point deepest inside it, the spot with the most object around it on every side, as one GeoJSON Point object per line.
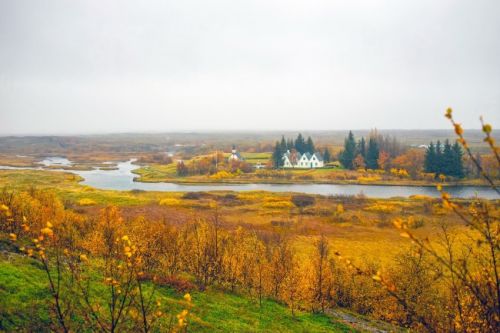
{"type": "Point", "coordinates": [319, 156]}
{"type": "Point", "coordinates": [308, 155]}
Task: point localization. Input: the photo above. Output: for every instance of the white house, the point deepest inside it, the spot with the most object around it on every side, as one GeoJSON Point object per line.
{"type": "Point", "coordinates": [296, 160]}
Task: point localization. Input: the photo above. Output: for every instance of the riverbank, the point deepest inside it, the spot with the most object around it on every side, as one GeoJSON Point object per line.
{"type": "Point", "coordinates": [188, 181]}
{"type": "Point", "coordinates": [166, 174]}
{"type": "Point", "coordinates": [123, 180]}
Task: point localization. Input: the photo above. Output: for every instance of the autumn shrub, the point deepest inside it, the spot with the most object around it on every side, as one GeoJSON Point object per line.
{"type": "Point", "coordinates": [86, 202]}
{"type": "Point", "coordinates": [420, 197]}
{"type": "Point", "coordinates": [176, 282]}
{"type": "Point", "coordinates": [173, 202]}
{"type": "Point", "coordinates": [416, 222]}
{"type": "Point", "coordinates": [222, 175]}
{"type": "Point", "coordinates": [278, 205]}
{"type": "Point", "coordinates": [304, 177]}
{"type": "Point", "coordinates": [381, 208]}
{"type": "Point", "coordinates": [192, 195]}
{"type": "Point", "coordinates": [368, 179]}
{"type": "Point", "coordinates": [106, 294]}
{"type": "Point", "coordinates": [249, 196]}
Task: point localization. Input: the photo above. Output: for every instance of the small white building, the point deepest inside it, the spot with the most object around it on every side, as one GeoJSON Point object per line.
{"type": "Point", "coordinates": [235, 155]}
{"type": "Point", "coordinates": [305, 161]}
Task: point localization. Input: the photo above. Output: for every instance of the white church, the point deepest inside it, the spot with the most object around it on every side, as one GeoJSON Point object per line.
{"type": "Point", "coordinates": [294, 159]}
{"type": "Point", "coordinates": [235, 155]}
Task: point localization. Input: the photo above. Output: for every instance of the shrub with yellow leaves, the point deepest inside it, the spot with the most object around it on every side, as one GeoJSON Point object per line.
{"type": "Point", "coordinates": [172, 202]}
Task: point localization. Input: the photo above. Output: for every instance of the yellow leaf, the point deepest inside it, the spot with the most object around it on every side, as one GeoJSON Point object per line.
{"type": "Point", "coordinates": [487, 128]}
{"type": "Point", "coordinates": [47, 231]}
{"type": "Point", "coordinates": [405, 234]}
{"type": "Point", "coordinates": [448, 113]}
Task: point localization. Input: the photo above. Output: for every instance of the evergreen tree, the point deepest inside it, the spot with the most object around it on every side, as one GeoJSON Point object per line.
{"type": "Point", "coordinates": [362, 147]}
{"type": "Point", "coordinates": [372, 154]}
{"type": "Point", "coordinates": [349, 153]}
{"type": "Point", "coordinates": [300, 144]}
{"type": "Point", "coordinates": [283, 145]}
{"type": "Point", "coordinates": [430, 159]}
{"type": "Point", "coordinates": [326, 156]}
{"type": "Point", "coordinates": [447, 160]}
{"type": "Point", "coordinates": [439, 158]}
{"type": "Point", "coordinates": [289, 144]}
{"type": "Point", "coordinates": [458, 163]}
{"type": "Point", "coordinates": [277, 156]}
{"type": "Point", "coordinates": [310, 146]}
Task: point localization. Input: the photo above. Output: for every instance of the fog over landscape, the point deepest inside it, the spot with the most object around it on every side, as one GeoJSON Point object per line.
{"type": "Point", "coordinates": [124, 66]}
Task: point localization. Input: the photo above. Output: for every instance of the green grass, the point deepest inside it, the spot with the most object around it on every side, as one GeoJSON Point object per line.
{"type": "Point", "coordinates": [157, 172]}
{"type": "Point", "coordinates": [232, 313]}
{"type": "Point", "coordinates": [23, 296]}
{"type": "Point", "coordinates": [24, 302]}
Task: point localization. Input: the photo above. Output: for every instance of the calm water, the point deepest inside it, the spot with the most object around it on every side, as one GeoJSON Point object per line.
{"type": "Point", "coordinates": [123, 179]}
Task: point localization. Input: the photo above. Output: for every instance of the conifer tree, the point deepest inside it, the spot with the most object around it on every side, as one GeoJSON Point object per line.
{"type": "Point", "coordinates": [300, 144]}
{"type": "Point", "coordinates": [444, 159]}
{"type": "Point", "coordinates": [283, 145]}
{"type": "Point", "coordinates": [430, 159]}
{"type": "Point", "coordinates": [277, 156]}
{"type": "Point", "coordinates": [362, 147]}
{"type": "Point", "coordinates": [326, 156]}
{"type": "Point", "coordinates": [372, 154]}
{"type": "Point", "coordinates": [439, 158]}
{"type": "Point", "coordinates": [447, 160]}
{"type": "Point", "coordinates": [349, 153]}
{"type": "Point", "coordinates": [458, 164]}
{"type": "Point", "coordinates": [310, 146]}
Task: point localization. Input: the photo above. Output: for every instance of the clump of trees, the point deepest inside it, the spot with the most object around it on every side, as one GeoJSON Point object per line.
{"type": "Point", "coordinates": [356, 155]}
{"type": "Point", "coordinates": [209, 165]}
{"type": "Point", "coordinates": [444, 159]}
{"type": "Point", "coordinates": [159, 158]}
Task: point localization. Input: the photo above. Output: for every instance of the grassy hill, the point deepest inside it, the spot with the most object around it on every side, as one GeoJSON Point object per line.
{"type": "Point", "coordinates": [25, 299]}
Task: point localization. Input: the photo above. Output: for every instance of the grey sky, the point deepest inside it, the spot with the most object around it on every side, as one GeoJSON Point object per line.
{"type": "Point", "coordinates": [108, 66]}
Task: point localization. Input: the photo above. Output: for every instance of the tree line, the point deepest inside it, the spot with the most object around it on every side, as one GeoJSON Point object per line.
{"type": "Point", "coordinates": [444, 159]}
{"type": "Point", "coordinates": [358, 154]}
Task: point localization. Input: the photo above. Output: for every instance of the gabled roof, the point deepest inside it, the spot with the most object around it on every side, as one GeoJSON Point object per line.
{"type": "Point", "coordinates": [319, 156]}
{"type": "Point", "coordinates": [307, 155]}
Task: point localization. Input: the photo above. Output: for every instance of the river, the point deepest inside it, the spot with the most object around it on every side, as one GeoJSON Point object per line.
{"type": "Point", "coordinates": [123, 179]}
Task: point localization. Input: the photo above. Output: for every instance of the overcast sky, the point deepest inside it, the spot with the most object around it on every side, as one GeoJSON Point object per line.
{"type": "Point", "coordinates": [69, 67]}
